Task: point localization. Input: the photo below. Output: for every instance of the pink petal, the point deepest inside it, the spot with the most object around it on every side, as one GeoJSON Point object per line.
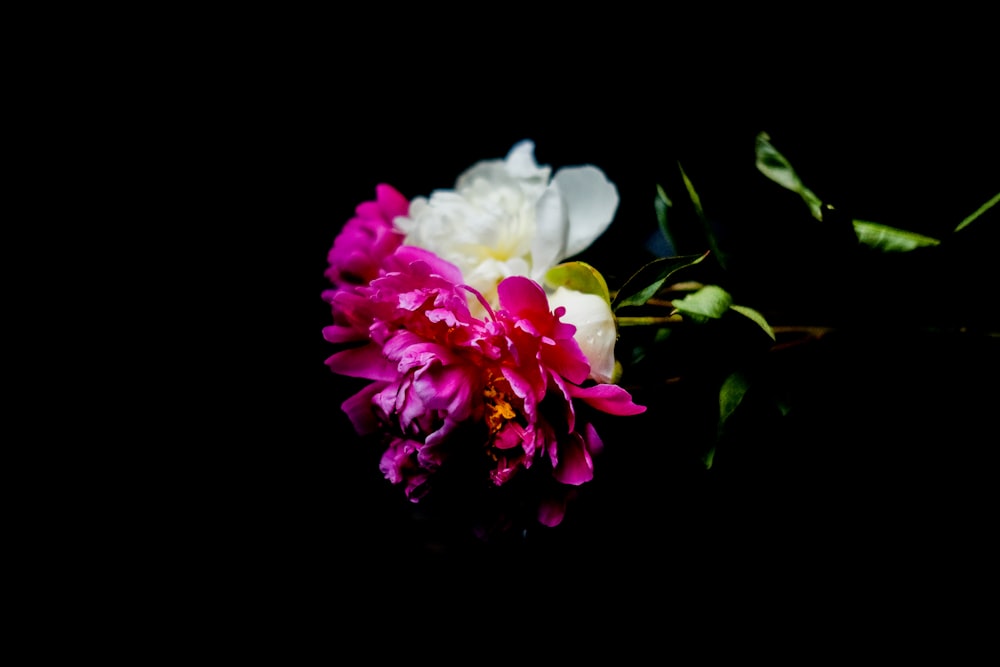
{"type": "Point", "coordinates": [594, 443]}
{"type": "Point", "coordinates": [551, 511]}
{"type": "Point", "coordinates": [363, 362]}
{"type": "Point", "coordinates": [608, 398]}
{"type": "Point", "coordinates": [343, 334]}
{"type": "Point", "coordinates": [522, 297]}
{"type": "Point", "coordinates": [391, 202]}
{"type": "Point", "coordinates": [360, 411]}
{"type": "Point", "coordinates": [575, 465]}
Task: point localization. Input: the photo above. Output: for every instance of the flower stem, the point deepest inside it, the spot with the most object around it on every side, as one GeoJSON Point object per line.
{"type": "Point", "coordinates": [646, 321]}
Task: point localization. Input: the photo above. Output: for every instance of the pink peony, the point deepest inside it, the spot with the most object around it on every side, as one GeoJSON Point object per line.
{"type": "Point", "coordinates": [445, 383]}
{"type": "Point", "coordinates": [367, 239]}
{"type": "Point", "coordinates": [357, 257]}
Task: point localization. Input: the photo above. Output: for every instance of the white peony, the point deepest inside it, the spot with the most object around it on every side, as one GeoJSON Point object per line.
{"type": "Point", "coordinates": [512, 217]}
{"type": "Point", "coordinates": [509, 218]}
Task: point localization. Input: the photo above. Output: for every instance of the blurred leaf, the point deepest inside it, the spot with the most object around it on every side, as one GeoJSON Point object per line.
{"type": "Point", "coordinates": [709, 458]}
{"type": "Point", "coordinates": [730, 396]}
{"type": "Point", "coordinates": [890, 239]}
{"type": "Point", "coordinates": [647, 281]}
{"type": "Point", "coordinates": [578, 276]}
{"type": "Point", "coordinates": [709, 301]}
{"type": "Point", "coordinates": [661, 204]}
{"type": "Point", "coordinates": [695, 199]}
{"type": "Point", "coordinates": [773, 164]}
{"type": "Point", "coordinates": [756, 317]}
{"type": "Point", "coordinates": [982, 209]}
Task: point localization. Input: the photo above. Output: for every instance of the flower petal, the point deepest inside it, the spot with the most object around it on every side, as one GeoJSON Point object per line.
{"type": "Point", "coordinates": [552, 231]}
{"type": "Point", "coordinates": [575, 465]}
{"type": "Point", "coordinates": [360, 410]}
{"type": "Point", "coordinates": [591, 200]}
{"type": "Point", "coordinates": [608, 398]}
{"type": "Point", "coordinates": [363, 362]}
{"type": "Point", "coordinates": [551, 511]}
{"type": "Point", "coordinates": [520, 162]}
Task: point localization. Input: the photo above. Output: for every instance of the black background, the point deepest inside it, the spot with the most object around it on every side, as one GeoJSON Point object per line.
{"type": "Point", "coordinates": [886, 467]}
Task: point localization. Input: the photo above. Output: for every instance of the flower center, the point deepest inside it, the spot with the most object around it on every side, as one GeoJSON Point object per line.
{"type": "Point", "coordinates": [498, 408]}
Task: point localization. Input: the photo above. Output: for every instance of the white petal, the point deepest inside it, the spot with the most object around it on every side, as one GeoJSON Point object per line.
{"type": "Point", "coordinates": [521, 161]}
{"type": "Point", "coordinates": [591, 200]}
{"type": "Point", "coordinates": [493, 171]}
{"type": "Point", "coordinates": [595, 328]}
{"type": "Point", "coordinates": [551, 232]}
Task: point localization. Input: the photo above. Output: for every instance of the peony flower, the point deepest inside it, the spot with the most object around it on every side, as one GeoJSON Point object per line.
{"type": "Point", "coordinates": [445, 383]}
{"type": "Point", "coordinates": [511, 217]}
{"type": "Point", "coordinates": [366, 239]}
{"type": "Point", "coordinates": [358, 256]}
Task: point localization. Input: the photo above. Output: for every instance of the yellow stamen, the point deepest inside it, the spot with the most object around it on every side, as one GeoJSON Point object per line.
{"type": "Point", "coordinates": [498, 408]}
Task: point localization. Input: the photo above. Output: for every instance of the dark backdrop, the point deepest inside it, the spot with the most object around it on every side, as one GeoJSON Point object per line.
{"type": "Point", "coordinates": [890, 454]}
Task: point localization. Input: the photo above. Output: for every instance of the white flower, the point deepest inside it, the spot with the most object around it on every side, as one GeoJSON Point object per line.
{"type": "Point", "coordinates": [509, 218]}
{"type": "Point", "coordinates": [596, 332]}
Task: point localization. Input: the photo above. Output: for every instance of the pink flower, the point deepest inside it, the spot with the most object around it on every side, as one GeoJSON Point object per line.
{"type": "Point", "coordinates": [357, 257]}
{"type": "Point", "coordinates": [367, 239]}
{"type": "Point", "coordinates": [446, 385]}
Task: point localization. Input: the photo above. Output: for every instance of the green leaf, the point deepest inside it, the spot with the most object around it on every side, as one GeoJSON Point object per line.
{"type": "Point", "coordinates": [709, 458]}
{"type": "Point", "coordinates": [710, 301]}
{"type": "Point", "coordinates": [756, 317]}
{"type": "Point", "coordinates": [661, 204]}
{"type": "Point", "coordinates": [890, 239]}
{"type": "Point", "coordinates": [647, 281]}
{"type": "Point", "coordinates": [695, 199]}
{"type": "Point", "coordinates": [982, 209]}
{"type": "Point", "coordinates": [731, 394]}
{"type": "Point", "coordinates": [775, 166]}
{"type": "Point", "coordinates": [578, 276]}
{"type": "Point", "coordinates": [713, 244]}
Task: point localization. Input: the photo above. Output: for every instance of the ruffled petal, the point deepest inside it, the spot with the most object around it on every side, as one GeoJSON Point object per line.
{"type": "Point", "coordinates": [360, 409]}
{"type": "Point", "coordinates": [520, 163]}
{"type": "Point", "coordinates": [391, 202]}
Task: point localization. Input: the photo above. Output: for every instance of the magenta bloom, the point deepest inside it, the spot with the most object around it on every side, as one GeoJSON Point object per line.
{"type": "Point", "coordinates": [359, 252]}
{"type": "Point", "coordinates": [446, 385]}
{"type": "Point", "coordinates": [367, 239]}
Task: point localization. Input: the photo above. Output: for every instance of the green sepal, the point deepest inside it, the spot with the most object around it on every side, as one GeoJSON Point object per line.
{"type": "Point", "coordinates": [578, 276]}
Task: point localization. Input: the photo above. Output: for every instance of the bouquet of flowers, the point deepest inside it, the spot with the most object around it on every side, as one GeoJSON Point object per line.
{"type": "Point", "coordinates": [491, 355]}
{"type": "Point", "coordinates": [480, 346]}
